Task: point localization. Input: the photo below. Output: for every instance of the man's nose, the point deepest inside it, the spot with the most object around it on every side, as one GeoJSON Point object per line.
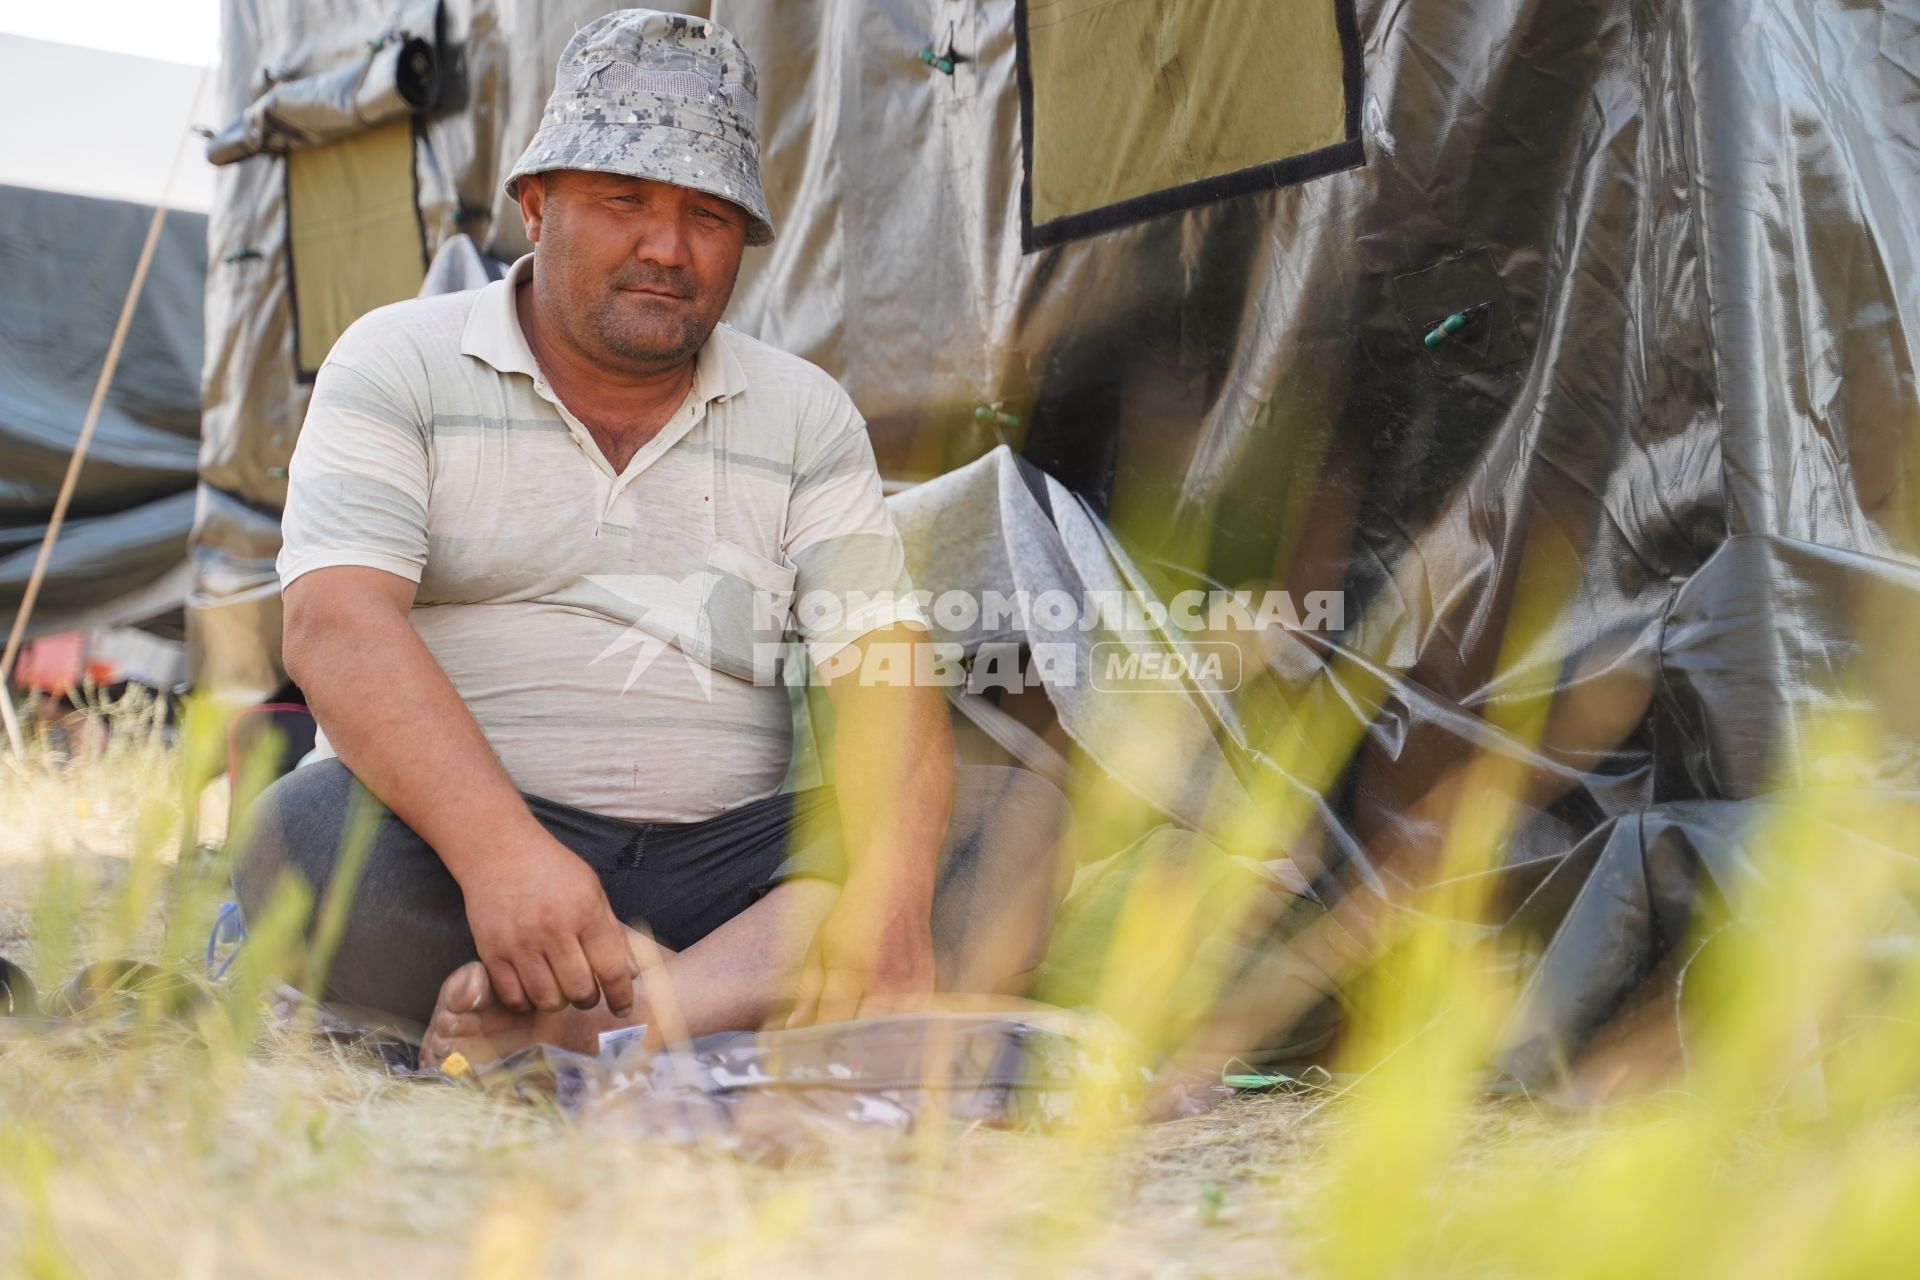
{"type": "Point", "coordinates": [663, 242]}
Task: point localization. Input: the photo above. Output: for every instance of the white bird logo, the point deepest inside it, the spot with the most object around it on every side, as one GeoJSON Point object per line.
{"type": "Point", "coordinates": [667, 607]}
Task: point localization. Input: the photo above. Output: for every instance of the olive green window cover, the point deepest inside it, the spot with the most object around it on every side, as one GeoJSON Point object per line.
{"type": "Point", "coordinates": [354, 237]}
{"type": "Point", "coordinates": [1135, 108]}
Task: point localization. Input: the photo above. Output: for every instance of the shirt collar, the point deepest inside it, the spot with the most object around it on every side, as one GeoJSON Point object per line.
{"type": "Point", "coordinates": [493, 334]}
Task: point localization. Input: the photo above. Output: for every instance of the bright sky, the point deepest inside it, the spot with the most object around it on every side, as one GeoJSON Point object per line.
{"type": "Point", "coordinates": [95, 95]}
{"type": "Point", "coordinates": [171, 30]}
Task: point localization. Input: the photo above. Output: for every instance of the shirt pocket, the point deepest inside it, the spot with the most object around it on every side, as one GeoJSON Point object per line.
{"type": "Point", "coordinates": [748, 609]}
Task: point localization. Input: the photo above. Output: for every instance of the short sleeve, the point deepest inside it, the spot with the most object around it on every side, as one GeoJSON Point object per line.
{"type": "Point", "coordinates": [851, 569]}
{"type": "Point", "coordinates": [358, 484]}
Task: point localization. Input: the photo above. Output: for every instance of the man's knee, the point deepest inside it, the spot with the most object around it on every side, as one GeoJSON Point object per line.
{"type": "Point", "coordinates": [292, 829]}
{"type": "Point", "coordinates": [1022, 822]}
{"type": "Point", "coordinates": [405, 928]}
{"type": "Point", "coordinates": [1006, 874]}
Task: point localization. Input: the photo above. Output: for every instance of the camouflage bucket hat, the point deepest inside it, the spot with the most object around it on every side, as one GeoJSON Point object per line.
{"type": "Point", "coordinates": [656, 95]}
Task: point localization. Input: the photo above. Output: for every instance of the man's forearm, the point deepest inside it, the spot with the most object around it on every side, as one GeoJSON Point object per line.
{"type": "Point", "coordinates": [893, 774]}
{"type": "Point", "coordinates": [397, 722]}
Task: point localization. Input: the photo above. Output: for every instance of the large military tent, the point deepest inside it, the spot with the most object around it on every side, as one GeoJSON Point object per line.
{"type": "Point", "coordinates": [1185, 259]}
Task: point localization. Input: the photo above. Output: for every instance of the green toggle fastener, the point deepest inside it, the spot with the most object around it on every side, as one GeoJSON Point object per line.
{"type": "Point", "coordinates": [994, 416]}
{"type": "Point", "coordinates": [944, 65]}
{"type": "Point", "coordinates": [1451, 325]}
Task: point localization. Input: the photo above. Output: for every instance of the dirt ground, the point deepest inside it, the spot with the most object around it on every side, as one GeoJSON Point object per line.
{"type": "Point", "coordinates": [311, 1161]}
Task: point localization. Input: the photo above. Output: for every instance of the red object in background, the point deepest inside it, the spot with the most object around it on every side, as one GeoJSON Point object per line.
{"type": "Point", "coordinates": [53, 664]}
{"type": "Point", "coordinates": [58, 665]}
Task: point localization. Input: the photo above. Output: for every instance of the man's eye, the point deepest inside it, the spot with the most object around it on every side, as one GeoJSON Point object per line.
{"type": "Point", "coordinates": [708, 214]}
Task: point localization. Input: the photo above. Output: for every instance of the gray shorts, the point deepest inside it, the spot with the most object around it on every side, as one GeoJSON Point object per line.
{"type": "Point", "coordinates": [408, 930]}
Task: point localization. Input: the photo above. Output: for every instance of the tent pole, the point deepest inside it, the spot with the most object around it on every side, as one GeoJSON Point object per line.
{"type": "Point", "coordinates": [72, 479]}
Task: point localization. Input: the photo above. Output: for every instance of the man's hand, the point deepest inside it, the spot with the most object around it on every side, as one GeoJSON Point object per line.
{"type": "Point", "coordinates": [546, 932]}
{"type": "Point", "coordinates": [869, 958]}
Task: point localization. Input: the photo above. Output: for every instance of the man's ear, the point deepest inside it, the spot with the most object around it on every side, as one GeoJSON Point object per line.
{"type": "Point", "coordinates": [531, 192]}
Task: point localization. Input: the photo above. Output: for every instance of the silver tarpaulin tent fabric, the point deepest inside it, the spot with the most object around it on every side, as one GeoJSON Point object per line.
{"type": "Point", "coordinates": [1691, 386]}
{"type": "Point", "coordinates": [1674, 235]}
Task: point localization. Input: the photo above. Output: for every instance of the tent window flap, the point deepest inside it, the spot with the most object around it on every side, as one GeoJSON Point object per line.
{"type": "Point", "coordinates": [1135, 108]}
{"type": "Point", "coordinates": [353, 234]}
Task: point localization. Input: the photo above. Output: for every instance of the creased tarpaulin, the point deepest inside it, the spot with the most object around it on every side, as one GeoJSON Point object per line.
{"type": "Point", "coordinates": [68, 262]}
{"type": "Point", "coordinates": [459, 266]}
{"type": "Point", "coordinates": [1683, 227]}
{"type": "Point", "coordinates": [1686, 225]}
{"type": "Point", "coordinates": [982, 529]}
{"type": "Point", "coordinates": [1668, 877]}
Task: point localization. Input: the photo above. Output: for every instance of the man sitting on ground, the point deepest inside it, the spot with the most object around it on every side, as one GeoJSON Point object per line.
{"type": "Point", "coordinates": [530, 537]}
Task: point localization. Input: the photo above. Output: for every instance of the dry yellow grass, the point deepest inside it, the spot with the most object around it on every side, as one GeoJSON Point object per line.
{"type": "Point", "coordinates": [129, 1153]}
{"type": "Point", "coordinates": [224, 1145]}
{"type": "Point", "coordinates": [311, 1165]}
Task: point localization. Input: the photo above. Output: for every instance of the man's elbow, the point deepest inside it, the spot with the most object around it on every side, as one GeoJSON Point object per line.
{"type": "Point", "coordinates": [300, 641]}
{"type": "Point", "coordinates": [315, 616]}
{"type": "Point", "coordinates": [331, 608]}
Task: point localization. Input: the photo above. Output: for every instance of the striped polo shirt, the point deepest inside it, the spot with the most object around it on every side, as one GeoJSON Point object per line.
{"type": "Point", "coordinates": [609, 631]}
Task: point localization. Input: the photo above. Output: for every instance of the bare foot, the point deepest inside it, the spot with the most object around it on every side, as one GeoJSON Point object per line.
{"type": "Point", "coordinates": [469, 1020]}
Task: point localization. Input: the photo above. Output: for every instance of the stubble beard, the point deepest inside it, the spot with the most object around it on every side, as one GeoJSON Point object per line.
{"type": "Point", "coordinates": [658, 334]}
{"type": "Point", "coordinates": [640, 335]}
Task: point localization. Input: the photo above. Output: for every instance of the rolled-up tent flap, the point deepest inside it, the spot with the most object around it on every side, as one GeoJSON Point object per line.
{"type": "Point", "coordinates": [398, 76]}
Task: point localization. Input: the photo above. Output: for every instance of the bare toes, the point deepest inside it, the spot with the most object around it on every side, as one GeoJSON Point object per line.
{"type": "Point", "coordinates": [466, 989]}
